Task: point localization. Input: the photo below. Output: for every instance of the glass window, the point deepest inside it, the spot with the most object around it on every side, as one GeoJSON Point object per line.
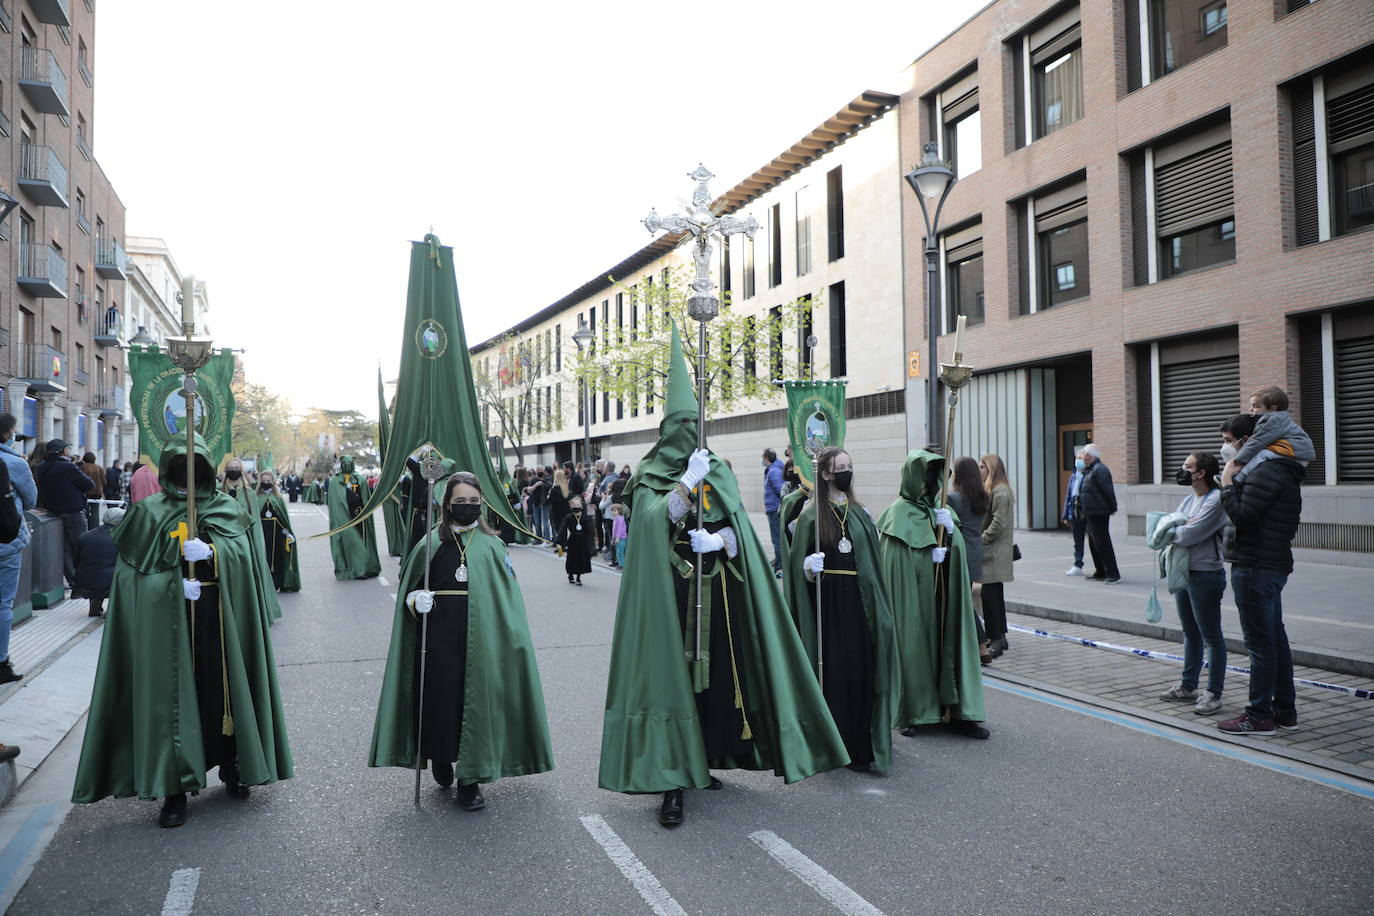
{"type": "Point", "coordinates": [1058, 92]}
{"type": "Point", "coordinates": [1064, 263]}
{"type": "Point", "coordinates": [1184, 30]}
{"type": "Point", "coordinates": [963, 144]}
{"type": "Point", "coordinates": [1354, 189]}
{"type": "Point", "coordinates": [965, 294]}
{"type": "Point", "coordinates": [1198, 248]}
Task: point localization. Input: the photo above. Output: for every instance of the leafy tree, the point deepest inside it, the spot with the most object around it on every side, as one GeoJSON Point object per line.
{"type": "Point", "coordinates": [262, 420]}
{"type": "Point", "coordinates": [510, 377]}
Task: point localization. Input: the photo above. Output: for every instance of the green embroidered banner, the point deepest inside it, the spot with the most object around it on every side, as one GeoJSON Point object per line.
{"type": "Point", "coordinates": [160, 407]}
{"type": "Point", "coordinates": [815, 420]}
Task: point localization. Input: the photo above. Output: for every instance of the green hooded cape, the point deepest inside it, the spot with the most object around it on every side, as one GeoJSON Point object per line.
{"type": "Point", "coordinates": [505, 730]}
{"type": "Point", "coordinates": [143, 735]}
{"type": "Point", "coordinates": [355, 547]}
{"type": "Point", "coordinates": [247, 498]}
{"type": "Point", "coordinates": [292, 581]}
{"type": "Point", "coordinates": [312, 493]}
{"type": "Point", "coordinates": [651, 736]}
{"type": "Point", "coordinates": [940, 670]}
{"type": "Point", "coordinates": [877, 608]}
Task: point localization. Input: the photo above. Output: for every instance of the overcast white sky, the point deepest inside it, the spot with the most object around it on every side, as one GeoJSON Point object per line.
{"type": "Point", "coordinates": [287, 151]}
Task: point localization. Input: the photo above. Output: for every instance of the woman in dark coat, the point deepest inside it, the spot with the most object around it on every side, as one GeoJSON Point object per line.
{"type": "Point", "coordinates": [95, 562]}
{"type": "Point", "coordinates": [575, 537]}
{"type": "Point", "coordinates": [970, 501]}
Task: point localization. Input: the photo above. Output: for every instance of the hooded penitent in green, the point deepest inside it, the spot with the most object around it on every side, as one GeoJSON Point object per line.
{"type": "Point", "coordinates": [652, 737]}
{"type": "Point", "coordinates": [877, 610]}
{"type": "Point", "coordinates": [313, 494]}
{"type": "Point", "coordinates": [391, 509]}
{"type": "Point", "coordinates": [145, 735]}
{"type": "Point", "coordinates": [504, 729]}
{"type": "Point", "coordinates": [252, 507]}
{"type": "Point", "coordinates": [936, 631]}
{"type": "Point", "coordinates": [283, 557]}
{"type": "Point", "coordinates": [354, 547]}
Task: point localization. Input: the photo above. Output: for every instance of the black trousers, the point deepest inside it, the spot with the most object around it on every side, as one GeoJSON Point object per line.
{"type": "Point", "coordinates": [1100, 546]}
{"type": "Point", "coordinates": [994, 610]}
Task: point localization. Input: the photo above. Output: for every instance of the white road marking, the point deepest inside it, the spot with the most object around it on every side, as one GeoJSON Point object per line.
{"type": "Point", "coordinates": [815, 877]}
{"type": "Point", "coordinates": [181, 893]}
{"type": "Point", "coordinates": [643, 880]}
{"type": "Point", "coordinates": [393, 596]}
{"type": "Point", "coordinates": [382, 579]}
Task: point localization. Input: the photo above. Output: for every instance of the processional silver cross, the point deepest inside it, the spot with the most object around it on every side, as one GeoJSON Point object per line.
{"type": "Point", "coordinates": [702, 306]}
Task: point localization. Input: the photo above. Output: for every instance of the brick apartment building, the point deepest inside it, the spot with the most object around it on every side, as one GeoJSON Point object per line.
{"type": "Point", "coordinates": [1162, 206]}
{"type": "Point", "coordinates": [64, 267]}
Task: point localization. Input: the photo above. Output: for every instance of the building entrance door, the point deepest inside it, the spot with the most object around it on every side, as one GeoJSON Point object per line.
{"type": "Point", "coordinates": [1071, 436]}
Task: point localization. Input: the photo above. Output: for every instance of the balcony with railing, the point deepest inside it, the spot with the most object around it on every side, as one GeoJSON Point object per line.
{"type": "Point", "coordinates": [53, 12]}
{"type": "Point", "coordinates": [109, 327]}
{"type": "Point", "coordinates": [110, 400]}
{"type": "Point", "coordinates": [42, 176]}
{"type": "Point", "coordinates": [42, 81]}
{"type": "Point", "coordinates": [110, 260]}
{"type": "Point", "coordinates": [42, 271]}
{"type": "Point", "coordinates": [43, 367]}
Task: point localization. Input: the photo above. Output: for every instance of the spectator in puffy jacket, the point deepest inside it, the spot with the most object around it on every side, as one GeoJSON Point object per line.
{"type": "Point", "coordinates": [772, 497]}
{"type": "Point", "coordinates": [1098, 499]}
{"type": "Point", "coordinates": [95, 562]}
{"type": "Point", "coordinates": [62, 489]}
{"type": "Point", "coordinates": [1265, 509]}
{"type": "Point", "coordinates": [12, 554]}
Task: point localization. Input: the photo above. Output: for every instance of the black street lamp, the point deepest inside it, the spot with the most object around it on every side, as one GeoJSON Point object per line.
{"type": "Point", "coordinates": [932, 180]}
{"type": "Point", "coordinates": [583, 336]}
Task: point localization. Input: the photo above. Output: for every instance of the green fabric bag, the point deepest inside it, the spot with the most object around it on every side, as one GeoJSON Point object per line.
{"type": "Point", "coordinates": [1153, 612]}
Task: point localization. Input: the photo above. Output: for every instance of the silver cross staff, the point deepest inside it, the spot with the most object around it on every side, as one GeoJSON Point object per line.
{"type": "Point", "coordinates": [431, 469]}
{"type": "Point", "coordinates": [702, 306]}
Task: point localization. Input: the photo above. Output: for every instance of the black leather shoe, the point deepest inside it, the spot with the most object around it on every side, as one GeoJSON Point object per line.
{"type": "Point", "coordinates": [913, 731]}
{"type": "Point", "coordinates": [7, 673]}
{"type": "Point", "coordinates": [715, 785]}
{"type": "Point", "coordinates": [173, 813]}
{"type": "Point", "coordinates": [967, 729]}
{"type": "Point", "coordinates": [860, 767]}
{"type": "Point", "coordinates": [670, 814]}
{"type": "Point", "coordinates": [229, 775]}
{"type": "Point", "coordinates": [470, 797]}
{"type": "Point", "coordinates": [443, 772]}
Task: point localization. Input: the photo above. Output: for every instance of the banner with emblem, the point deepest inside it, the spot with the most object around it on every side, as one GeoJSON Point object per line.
{"type": "Point", "coordinates": [436, 402]}
{"type": "Point", "coordinates": [815, 420]}
{"type": "Point", "coordinates": [159, 406]}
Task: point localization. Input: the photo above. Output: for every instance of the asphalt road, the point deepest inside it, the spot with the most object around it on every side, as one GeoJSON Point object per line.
{"type": "Point", "coordinates": [1059, 812]}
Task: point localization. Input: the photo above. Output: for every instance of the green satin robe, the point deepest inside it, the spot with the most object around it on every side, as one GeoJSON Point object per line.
{"type": "Point", "coordinates": [355, 548]}
{"type": "Point", "coordinates": [247, 499]}
{"type": "Point", "coordinates": [940, 668]}
{"type": "Point", "coordinates": [292, 581]}
{"type": "Point", "coordinates": [505, 730]}
{"type": "Point", "coordinates": [143, 733]}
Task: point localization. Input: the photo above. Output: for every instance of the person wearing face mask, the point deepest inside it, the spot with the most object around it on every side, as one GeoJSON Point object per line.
{"type": "Point", "coordinates": [746, 700]}
{"type": "Point", "coordinates": [353, 544]}
{"type": "Point", "coordinates": [575, 537]}
{"type": "Point", "coordinates": [237, 488]}
{"type": "Point", "coordinates": [1199, 603]}
{"type": "Point", "coordinates": [483, 706]}
{"type": "Point", "coordinates": [856, 642]}
{"type": "Point", "coordinates": [1073, 511]}
{"type": "Point", "coordinates": [186, 679]}
{"type": "Point", "coordinates": [282, 559]}
{"type": "Point", "coordinates": [1098, 497]}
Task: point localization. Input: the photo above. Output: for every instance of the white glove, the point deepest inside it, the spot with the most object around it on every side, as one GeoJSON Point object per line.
{"type": "Point", "coordinates": [421, 600]}
{"type": "Point", "coordinates": [196, 550]}
{"type": "Point", "coordinates": [938, 554]}
{"type": "Point", "coordinates": [190, 588]}
{"type": "Point", "coordinates": [814, 565]}
{"type": "Point", "coordinates": [704, 541]}
{"type": "Point", "coordinates": [290, 538]}
{"type": "Point", "coordinates": [943, 517]}
{"type": "Point", "coordinates": [698, 466]}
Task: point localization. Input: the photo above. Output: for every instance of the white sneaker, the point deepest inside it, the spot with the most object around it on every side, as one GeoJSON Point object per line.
{"type": "Point", "coordinates": [1179, 694]}
{"type": "Point", "coordinates": [1208, 704]}
{"type": "Point", "coordinates": [1074, 571]}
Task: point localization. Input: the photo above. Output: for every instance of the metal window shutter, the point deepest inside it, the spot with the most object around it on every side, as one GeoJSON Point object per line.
{"type": "Point", "coordinates": [1310, 392]}
{"type": "Point", "coordinates": [1350, 119]}
{"type": "Point", "coordinates": [1194, 191]}
{"type": "Point", "coordinates": [1195, 398]}
{"type": "Point", "coordinates": [1144, 416]}
{"type": "Point", "coordinates": [1140, 229]}
{"type": "Point", "coordinates": [1355, 410]}
{"type": "Point", "coordinates": [965, 104]}
{"type": "Point", "coordinates": [1304, 165]}
{"type": "Point", "coordinates": [1134, 73]}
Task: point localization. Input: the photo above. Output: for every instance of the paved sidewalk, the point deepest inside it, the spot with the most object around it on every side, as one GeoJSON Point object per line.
{"type": "Point", "coordinates": [1335, 730]}
{"type": "Point", "coordinates": [1328, 603]}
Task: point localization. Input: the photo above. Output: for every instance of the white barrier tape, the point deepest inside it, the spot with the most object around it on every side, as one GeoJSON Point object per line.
{"type": "Point", "coordinates": [1150, 653]}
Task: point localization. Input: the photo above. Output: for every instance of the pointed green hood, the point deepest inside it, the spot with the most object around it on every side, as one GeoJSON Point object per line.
{"type": "Point", "coordinates": [205, 468]}
{"type": "Point", "coordinates": [911, 518]}
{"type": "Point", "coordinates": [677, 432]}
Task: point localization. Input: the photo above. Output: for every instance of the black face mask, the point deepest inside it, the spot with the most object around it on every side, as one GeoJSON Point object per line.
{"type": "Point", "coordinates": [264, 485]}
{"type": "Point", "coordinates": [843, 480]}
{"type": "Point", "coordinates": [464, 514]}
{"type": "Point", "coordinates": [233, 474]}
{"type": "Point", "coordinates": [1183, 477]}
